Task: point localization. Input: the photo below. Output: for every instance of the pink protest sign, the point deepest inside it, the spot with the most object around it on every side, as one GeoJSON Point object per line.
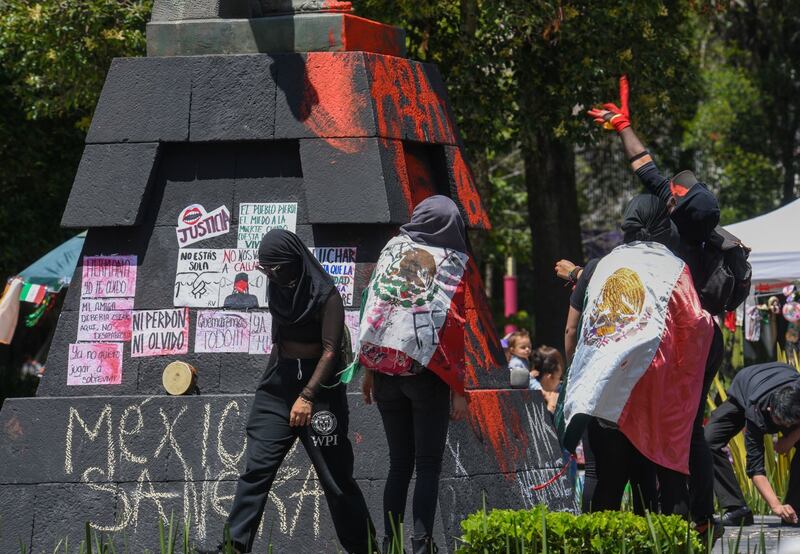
{"type": "Point", "coordinates": [94, 364]}
{"type": "Point", "coordinates": [260, 333]}
{"type": "Point", "coordinates": [160, 332]}
{"type": "Point", "coordinates": [109, 277]}
{"type": "Point", "coordinates": [105, 320]}
{"type": "Point", "coordinates": [219, 331]}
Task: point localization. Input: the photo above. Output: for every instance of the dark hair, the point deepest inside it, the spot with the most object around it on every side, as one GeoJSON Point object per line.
{"type": "Point", "coordinates": [785, 405]}
{"type": "Point", "coordinates": [546, 360]}
{"type": "Point", "coordinates": [517, 335]}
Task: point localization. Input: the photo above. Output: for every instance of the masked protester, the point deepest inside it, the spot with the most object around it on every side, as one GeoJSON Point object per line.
{"type": "Point", "coordinates": [694, 214]}
{"type": "Point", "coordinates": [292, 401]}
{"type": "Point", "coordinates": [414, 366]}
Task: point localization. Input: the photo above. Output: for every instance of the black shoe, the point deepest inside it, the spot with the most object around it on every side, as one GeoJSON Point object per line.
{"type": "Point", "coordinates": [738, 517]}
{"type": "Point", "coordinates": [709, 527]}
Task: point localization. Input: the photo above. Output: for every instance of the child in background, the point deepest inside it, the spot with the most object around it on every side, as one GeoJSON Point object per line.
{"type": "Point", "coordinates": [549, 365]}
{"type": "Point", "coordinates": [519, 347]}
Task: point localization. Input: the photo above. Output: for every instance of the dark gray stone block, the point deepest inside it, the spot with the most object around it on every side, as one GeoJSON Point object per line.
{"type": "Point", "coordinates": [325, 95]}
{"type": "Point", "coordinates": [173, 10]}
{"type": "Point", "coordinates": [144, 100]}
{"type": "Point", "coordinates": [63, 509]}
{"type": "Point", "coordinates": [119, 171]}
{"type": "Point", "coordinates": [233, 98]}
{"type": "Point", "coordinates": [193, 174]}
{"type": "Point", "coordinates": [16, 518]}
{"type": "Point", "coordinates": [345, 184]}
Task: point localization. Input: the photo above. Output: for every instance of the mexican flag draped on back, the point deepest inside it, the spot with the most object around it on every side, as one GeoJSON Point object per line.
{"type": "Point", "coordinates": [411, 312]}
{"type": "Point", "coordinates": [641, 354]}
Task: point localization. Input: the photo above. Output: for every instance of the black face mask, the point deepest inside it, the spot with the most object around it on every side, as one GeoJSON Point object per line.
{"type": "Point", "coordinates": [282, 274]}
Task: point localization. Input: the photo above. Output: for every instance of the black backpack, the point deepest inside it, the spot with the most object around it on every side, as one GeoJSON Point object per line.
{"type": "Point", "coordinates": [727, 272]}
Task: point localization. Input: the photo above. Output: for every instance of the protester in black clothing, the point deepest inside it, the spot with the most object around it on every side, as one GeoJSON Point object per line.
{"type": "Point", "coordinates": [694, 212]}
{"type": "Point", "coordinates": [415, 404]}
{"type": "Point", "coordinates": [763, 399]}
{"type": "Point", "coordinates": [292, 400]}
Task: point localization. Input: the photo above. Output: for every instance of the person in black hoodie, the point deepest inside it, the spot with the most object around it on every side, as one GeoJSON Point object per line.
{"type": "Point", "coordinates": [762, 399]}
{"type": "Point", "coordinates": [694, 214]}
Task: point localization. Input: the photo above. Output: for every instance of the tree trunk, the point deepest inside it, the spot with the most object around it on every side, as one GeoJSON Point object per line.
{"type": "Point", "coordinates": [555, 229]}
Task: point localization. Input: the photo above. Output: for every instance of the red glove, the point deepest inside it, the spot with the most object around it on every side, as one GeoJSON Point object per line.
{"type": "Point", "coordinates": [613, 116]}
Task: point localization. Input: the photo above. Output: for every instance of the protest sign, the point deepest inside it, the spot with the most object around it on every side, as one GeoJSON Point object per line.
{"type": "Point", "coordinates": [215, 278]}
{"type": "Point", "coordinates": [160, 332]}
{"type": "Point", "coordinates": [109, 277]}
{"type": "Point", "coordinates": [94, 364]}
{"type": "Point", "coordinates": [352, 321]}
{"type": "Point", "coordinates": [260, 333]}
{"type": "Point", "coordinates": [105, 320]}
{"type": "Point", "coordinates": [195, 224]}
{"type": "Point", "coordinates": [218, 331]}
{"type": "Point", "coordinates": [340, 263]}
{"type": "Point", "coordinates": [255, 220]}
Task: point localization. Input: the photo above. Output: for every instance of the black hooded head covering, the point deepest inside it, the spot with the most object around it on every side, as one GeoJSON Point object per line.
{"type": "Point", "coordinates": [436, 221]}
{"type": "Point", "coordinates": [696, 210]}
{"type": "Point", "coordinates": [646, 218]}
{"type": "Point", "coordinates": [292, 305]}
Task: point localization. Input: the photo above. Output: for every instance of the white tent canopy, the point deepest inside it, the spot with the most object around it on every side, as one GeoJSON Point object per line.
{"type": "Point", "coordinates": [775, 242]}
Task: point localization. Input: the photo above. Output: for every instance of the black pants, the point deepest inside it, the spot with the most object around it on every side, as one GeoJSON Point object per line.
{"type": "Point", "coordinates": [415, 412]}
{"type": "Point", "coordinates": [612, 461]}
{"type": "Point", "coordinates": [725, 422]}
{"type": "Point", "coordinates": [269, 439]}
{"type": "Point", "coordinates": [698, 498]}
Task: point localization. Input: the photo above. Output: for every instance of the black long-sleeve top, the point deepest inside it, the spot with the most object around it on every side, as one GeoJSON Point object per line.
{"type": "Point", "coordinates": [752, 390]}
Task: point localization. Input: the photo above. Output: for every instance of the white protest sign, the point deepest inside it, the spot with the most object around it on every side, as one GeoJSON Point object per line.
{"type": "Point", "coordinates": [255, 220]}
{"type": "Point", "coordinates": [195, 224]}
{"type": "Point", "coordinates": [160, 332]}
{"type": "Point", "coordinates": [108, 277]}
{"type": "Point", "coordinates": [351, 320]}
{"type": "Point", "coordinates": [94, 364]}
{"type": "Point", "coordinates": [260, 333]}
{"type": "Point", "coordinates": [105, 319]}
{"type": "Point", "coordinates": [340, 263]}
{"type": "Point", "coordinates": [222, 331]}
{"type": "Point", "coordinates": [216, 278]}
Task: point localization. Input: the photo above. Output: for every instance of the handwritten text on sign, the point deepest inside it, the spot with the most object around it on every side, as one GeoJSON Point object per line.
{"type": "Point", "coordinates": [109, 277]}
{"type": "Point", "coordinates": [94, 364]}
{"type": "Point", "coordinates": [105, 320]}
{"type": "Point", "coordinates": [195, 224]}
{"type": "Point", "coordinates": [213, 278]}
{"type": "Point", "coordinates": [160, 332]}
{"type": "Point", "coordinates": [230, 331]}
{"type": "Point", "coordinates": [351, 320]}
{"type": "Point", "coordinates": [340, 263]}
{"type": "Point", "coordinates": [255, 220]}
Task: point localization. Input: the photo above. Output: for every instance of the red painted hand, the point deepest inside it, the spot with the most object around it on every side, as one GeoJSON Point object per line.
{"type": "Point", "coordinates": [613, 116]}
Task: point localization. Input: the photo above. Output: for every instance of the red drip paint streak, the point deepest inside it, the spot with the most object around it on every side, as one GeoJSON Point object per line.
{"type": "Point", "coordinates": [493, 416]}
{"type": "Point", "coordinates": [555, 477]}
{"type": "Point", "coordinates": [332, 106]}
{"type": "Point", "coordinates": [395, 149]}
{"type": "Point", "coordinates": [406, 104]}
{"type": "Point", "coordinates": [467, 192]}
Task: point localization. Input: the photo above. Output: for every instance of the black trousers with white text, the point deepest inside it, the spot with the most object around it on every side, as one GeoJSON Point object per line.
{"type": "Point", "coordinates": [269, 440]}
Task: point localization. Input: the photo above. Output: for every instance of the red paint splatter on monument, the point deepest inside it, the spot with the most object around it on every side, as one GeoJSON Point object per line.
{"type": "Point", "coordinates": [466, 191]}
{"type": "Point", "coordinates": [332, 107]}
{"type": "Point", "coordinates": [337, 5]}
{"type": "Point", "coordinates": [395, 150]}
{"type": "Point", "coordinates": [365, 35]}
{"type": "Point", "coordinates": [406, 104]}
{"type": "Point", "coordinates": [493, 416]}
{"type": "Point", "coordinates": [420, 177]}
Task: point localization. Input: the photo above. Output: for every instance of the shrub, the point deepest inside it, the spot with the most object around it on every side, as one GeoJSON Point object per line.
{"type": "Point", "coordinates": [527, 531]}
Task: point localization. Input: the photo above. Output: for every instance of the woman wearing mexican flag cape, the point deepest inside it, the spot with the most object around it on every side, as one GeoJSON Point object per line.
{"type": "Point", "coordinates": [411, 341]}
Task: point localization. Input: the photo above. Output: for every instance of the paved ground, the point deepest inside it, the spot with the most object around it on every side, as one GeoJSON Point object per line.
{"type": "Point", "coordinates": [784, 540]}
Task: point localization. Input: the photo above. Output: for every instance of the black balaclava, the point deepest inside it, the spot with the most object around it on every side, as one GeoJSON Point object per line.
{"type": "Point", "coordinates": [301, 285]}
{"type": "Point", "coordinates": [436, 221]}
{"type": "Point", "coordinates": [646, 219]}
{"type": "Point", "coordinates": [696, 210]}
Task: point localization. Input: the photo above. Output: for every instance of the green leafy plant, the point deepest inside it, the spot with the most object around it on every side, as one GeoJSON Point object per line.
{"type": "Point", "coordinates": [539, 530]}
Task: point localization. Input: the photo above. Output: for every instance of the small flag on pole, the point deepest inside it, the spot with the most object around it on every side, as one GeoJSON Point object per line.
{"type": "Point", "coordinates": [33, 293]}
